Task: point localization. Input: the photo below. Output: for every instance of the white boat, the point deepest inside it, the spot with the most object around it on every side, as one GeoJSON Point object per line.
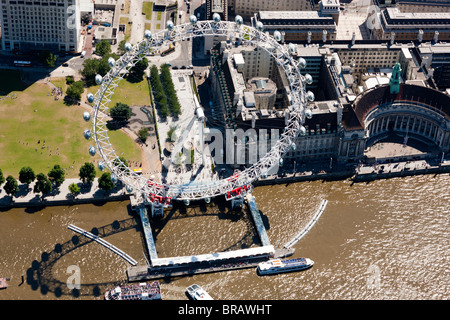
{"type": "Point", "coordinates": [141, 291]}
{"type": "Point", "coordinates": [279, 266]}
{"type": "Point", "coordinates": [198, 293]}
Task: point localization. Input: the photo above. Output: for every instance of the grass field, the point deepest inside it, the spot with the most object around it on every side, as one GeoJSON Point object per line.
{"type": "Point", "coordinates": [131, 93]}
{"type": "Point", "coordinates": [147, 8]}
{"type": "Point", "coordinates": [38, 131]}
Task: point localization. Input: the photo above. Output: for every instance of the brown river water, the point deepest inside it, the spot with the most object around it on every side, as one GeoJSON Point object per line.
{"type": "Point", "coordinates": [387, 239]}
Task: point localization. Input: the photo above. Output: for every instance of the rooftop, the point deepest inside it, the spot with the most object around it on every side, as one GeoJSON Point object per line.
{"type": "Point", "coordinates": [292, 15]}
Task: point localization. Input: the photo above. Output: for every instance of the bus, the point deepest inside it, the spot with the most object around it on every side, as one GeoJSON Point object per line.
{"type": "Point", "coordinates": [18, 63]}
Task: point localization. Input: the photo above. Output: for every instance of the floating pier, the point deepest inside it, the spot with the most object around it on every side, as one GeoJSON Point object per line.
{"type": "Point", "coordinates": [103, 243]}
{"type": "Point", "coordinates": [202, 263]}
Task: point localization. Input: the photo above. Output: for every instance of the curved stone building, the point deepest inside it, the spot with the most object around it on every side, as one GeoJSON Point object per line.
{"type": "Point", "coordinates": [412, 112]}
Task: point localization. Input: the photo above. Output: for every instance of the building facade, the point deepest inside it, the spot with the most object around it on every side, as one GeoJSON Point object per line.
{"type": "Point", "coordinates": [40, 25]}
{"type": "Point", "coordinates": [412, 26]}
{"type": "Point", "coordinates": [247, 8]}
{"type": "Point", "coordinates": [311, 26]}
{"type": "Point", "coordinates": [423, 5]}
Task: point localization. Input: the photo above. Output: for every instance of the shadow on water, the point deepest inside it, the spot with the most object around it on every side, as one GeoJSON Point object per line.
{"type": "Point", "coordinates": [222, 211]}
{"type": "Point", "coordinates": [40, 277]}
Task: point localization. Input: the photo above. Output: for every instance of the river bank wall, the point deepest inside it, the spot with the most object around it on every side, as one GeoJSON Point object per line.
{"type": "Point", "coordinates": [93, 194]}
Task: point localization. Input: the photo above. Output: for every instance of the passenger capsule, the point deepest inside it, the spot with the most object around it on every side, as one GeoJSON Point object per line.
{"type": "Point", "coordinates": [193, 19]}
{"type": "Point", "coordinates": [208, 200]}
{"type": "Point", "coordinates": [92, 151]}
{"type": "Point", "coordinates": [111, 62]}
{"type": "Point", "coordinates": [239, 20]}
{"type": "Point", "coordinates": [310, 96]}
{"type": "Point", "coordinates": [101, 165]}
{"type": "Point", "coordinates": [169, 25]}
{"type": "Point", "coordinates": [148, 34]}
{"type": "Point", "coordinates": [302, 130]}
{"type": "Point", "coordinates": [308, 113]}
{"type": "Point", "coordinates": [87, 134]}
{"type": "Point", "coordinates": [277, 35]}
{"type": "Point", "coordinates": [186, 202]}
{"type": "Point", "coordinates": [114, 178]}
{"type": "Point", "coordinates": [308, 78]}
{"type": "Point", "coordinates": [301, 63]}
{"type": "Point", "coordinates": [128, 46]}
{"type": "Point", "coordinates": [90, 97]}
{"type": "Point", "coordinates": [86, 116]}
{"type": "Point", "coordinates": [280, 162]}
{"type": "Point", "coordinates": [216, 17]}
{"type": "Point", "coordinates": [259, 26]}
{"type": "Point", "coordinates": [292, 48]}
{"type": "Point", "coordinates": [129, 188]}
{"type": "Point", "coordinates": [98, 79]}
{"type": "Point", "coordinates": [293, 146]}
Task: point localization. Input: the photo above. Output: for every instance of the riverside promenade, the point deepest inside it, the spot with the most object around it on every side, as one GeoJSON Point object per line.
{"type": "Point", "coordinates": [357, 173]}
{"type": "Point", "coordinates": [61, 195]}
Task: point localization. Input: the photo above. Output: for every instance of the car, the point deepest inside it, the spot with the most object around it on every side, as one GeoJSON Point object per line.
{"type": "Point", "coordinates": [183, 67]}
{"type": "Point", "coordinates": [65, 64]}
{"type": "Point", "coordinates": [175, 67]}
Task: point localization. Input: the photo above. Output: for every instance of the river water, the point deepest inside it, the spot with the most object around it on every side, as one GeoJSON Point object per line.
{"type": "Point", "coordinates": [387, 239]}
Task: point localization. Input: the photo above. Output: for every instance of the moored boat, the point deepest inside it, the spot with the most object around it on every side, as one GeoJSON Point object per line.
{"type": "Point", "coordinates": [141, 291]}
{"type": "Point", "coordinates": [279, 266]}
{"type": "Point", "coordinates": [198, 293]}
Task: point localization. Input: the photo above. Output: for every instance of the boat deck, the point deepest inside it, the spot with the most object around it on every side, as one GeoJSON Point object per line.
{"type": "Point", "coordinates": [3, 283]}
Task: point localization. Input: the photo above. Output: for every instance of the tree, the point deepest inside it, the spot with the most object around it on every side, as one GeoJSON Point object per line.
{"type": "Point", "coordinates": [42, 185]}
{"type": "Point", "coordinates": [47, 58]}
{"type": "Point", "coordinates": [74, 189]}
{"type": "Point", "coordinates": [120, 112]}
{"type": "Point", "coordinates": [87, 172]}
{"type": "Point", "coordinates": [57, 175]}
{"type": "Point", "coordinates": [169, 89]}
{"type": "Point", "coordinates": [139, 68]}
{"type": "Point", "coordinates": [121, 48]}
{"type": "Point", "coordinates": [11, 186]}
{"type": "Point", "coordinates": [2, 178]}
{"type": "Point", "coordinates": [69, 80]}
{"type": "Point", "coordinates": [92, 67]}
{"type": "Point", "coordinates": [143, 134]}
{"type": "Point", "coordinates": [90, 70]}
{"type": "Point", "coordinates": [75, 90]}
{"type": "Point", "coordinates": [26, 175]}
{"type": "Point", "coordinates": [158, 93]}
{"type": "Point", "coordinates": [105, 183]}
{"type": "Point", "coordinates": [103, 47]}
{"type": "Point", "coordinates": [118, 161]}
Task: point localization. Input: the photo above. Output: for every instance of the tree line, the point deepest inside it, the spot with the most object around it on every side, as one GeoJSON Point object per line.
{"type": "Point", "coordinates": [164, 92]}
{"type": "Point", "coordinates": [46, 183]}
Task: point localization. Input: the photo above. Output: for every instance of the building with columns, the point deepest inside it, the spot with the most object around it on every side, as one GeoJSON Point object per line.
{"type": "Point", "coordinates": [412, 112]}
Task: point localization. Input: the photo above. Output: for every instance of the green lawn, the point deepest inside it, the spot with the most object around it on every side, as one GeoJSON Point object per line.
{"type": "Point", "coordinates": [131, 93]}
{"type": "Point", "coordinates": [147, 8]}
{"type": "Point", "coordinates": [38, 131]}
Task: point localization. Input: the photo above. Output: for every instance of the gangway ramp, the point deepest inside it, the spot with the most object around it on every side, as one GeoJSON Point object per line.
{"type": "Point", "coordinates": [257, 219]}
{"type": "Point", "coordinates": [103, 243]}
{"type": "Point", "coordinates": [148, 233]}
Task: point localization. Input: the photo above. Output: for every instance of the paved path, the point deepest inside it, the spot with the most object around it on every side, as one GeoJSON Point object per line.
{"type": "Point", "coordinates": [26, 196]}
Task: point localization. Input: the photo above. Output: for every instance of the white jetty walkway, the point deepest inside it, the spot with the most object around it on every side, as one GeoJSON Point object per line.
{"type": "Point", "coordinates": [308, 227]}
{"type": "Point", "coordinates": [104, 243]}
